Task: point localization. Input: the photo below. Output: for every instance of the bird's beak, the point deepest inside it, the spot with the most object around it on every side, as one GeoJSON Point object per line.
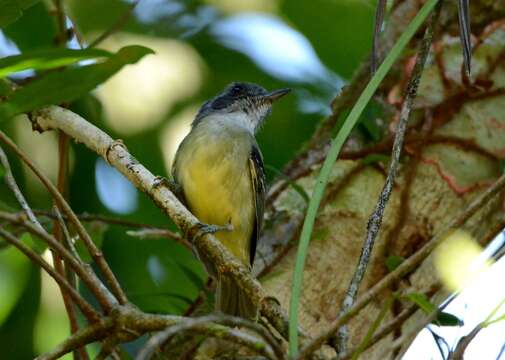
{"type": "Point", "coordinates": [276, 94]}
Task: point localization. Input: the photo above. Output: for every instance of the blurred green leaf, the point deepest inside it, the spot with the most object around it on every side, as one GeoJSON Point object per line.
{"type": "Point", "coordinates": [14, 272]}
{"type": "Point", "coordinates": [447, 319]}
{"type": "Point", "coordinates": [36, 29]}
{"type": "Point", "coordinates": [70, 83]}
{"type": "Point", "coordinates": [192, 276]}
{"type": "Point", "coordinates": [393, 261]}
{"type": "Point", "coordinates": [5, 88]}
{"type": "Point", "coordinates": [422, 301]}
{"type": "Point", "coordinates": [33, 243]}
{"type": "Point", "coordinates": [2, 172]}
{"type": "Point", "coordinates": [11, 10]}
{"type": "Point", "coordinates": [47, 59]}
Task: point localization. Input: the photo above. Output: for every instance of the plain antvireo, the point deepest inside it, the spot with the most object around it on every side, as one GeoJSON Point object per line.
{"type": "Point", "coordinates": [219, 170]}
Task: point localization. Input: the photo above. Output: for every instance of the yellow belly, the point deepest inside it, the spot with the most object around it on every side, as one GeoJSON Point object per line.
{"type": "Point", "coordinates": [217, 186]}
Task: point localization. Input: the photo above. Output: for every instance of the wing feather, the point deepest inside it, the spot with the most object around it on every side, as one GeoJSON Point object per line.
{"type": "Point", "coordinates": [258, 183]}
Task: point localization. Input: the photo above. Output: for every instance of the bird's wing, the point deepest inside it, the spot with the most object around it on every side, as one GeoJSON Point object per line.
{"type": "Point", "coordinates": [258, 183]}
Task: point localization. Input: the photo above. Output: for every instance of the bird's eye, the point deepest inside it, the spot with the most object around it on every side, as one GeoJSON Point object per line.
{"type": "Point", "coordinates": [237, 89]}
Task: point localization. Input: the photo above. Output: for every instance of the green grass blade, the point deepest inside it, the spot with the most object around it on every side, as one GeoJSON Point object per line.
{"type": "Point", "coordinates": [331, 157]}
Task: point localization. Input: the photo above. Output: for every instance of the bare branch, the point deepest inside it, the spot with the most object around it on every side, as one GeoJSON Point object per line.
{"type": "Point", "coordinates": [83, 305]}
{"type": "Point", "coordinates": [379, 20]}
{"type": "Point", "coordinates": [149, 233]}
{"type": "Point", "coordinates": [11, 183]}
{"type": "Point", "coordinates": [103, 296]}
{"type": "Point", "coordinates": [66, 235]}
{"type": "Point", "coordinates": [406, 266]}
{"type": "Point", "coordinates": [375, 221]}
{"type": "Point", "coordinates": [463, 343]}
{"type": "Point", "coordinates": [209, 325]}
{"type": "Point", "coordinates": [95, 253]}
{"type": "Point", "coordinates": [465, 33]}
{"type": "Point", "coordinates": [116, 154]}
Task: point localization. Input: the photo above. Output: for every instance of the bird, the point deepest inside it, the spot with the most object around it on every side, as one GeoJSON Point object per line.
{"type": "Point", "coordinates": [218, 169]}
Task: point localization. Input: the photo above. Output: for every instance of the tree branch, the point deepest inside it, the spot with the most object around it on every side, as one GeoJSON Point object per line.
{"type": "Point", "coordinates": [375, 221]}
{"type": "Point", "coordinates": [405, 267]}
{"type": "Point", "coordinates": [83, 305]}
{"type": "Point", "coordinates": [103, 296]}
{"type": "Point", "coordinates": [95, 253]}
{"type": "Point", "coordinates": [212, 325]}
{"type": "Point", "coordinates": [11, 183]}
{"type": "Point", "coordinates": [116, 154]}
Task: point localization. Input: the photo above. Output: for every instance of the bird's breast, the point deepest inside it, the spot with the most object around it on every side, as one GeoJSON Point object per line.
{"type": "Point", "coordinates": [213, 170]}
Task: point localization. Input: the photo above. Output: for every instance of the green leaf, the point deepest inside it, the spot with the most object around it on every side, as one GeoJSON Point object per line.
{"type": "Point", "coordinates": [69, 84]}
{"type": "Point", "coordinates": [2, 172]}
{"type": "Point", "coordinates": [11, 10]}
{"type": "Point", "coordinates": [33, 243]}
{"type": "Point", "coordinates": [393, 261]}
{"type": "Point", "coordinates": [331, 157]}
{"type": "Point", "coordinates": [375, 158]}
{"type": "Point", "coordinates": [422, 301]}
{"type": "Point", "coordinates": [47, 59]}
{"type": "Point", "coordinates": [5, 89]}
{"type": "Point", "coordinates": [447, 319]}
{"type": "Point", "coordinates": [14, 275]}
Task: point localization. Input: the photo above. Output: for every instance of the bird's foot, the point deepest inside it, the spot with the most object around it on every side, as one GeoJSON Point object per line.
{"type": "Point", "coordinates": [212, 229]}
{"type": "Point", "coordinates": [171, 184]}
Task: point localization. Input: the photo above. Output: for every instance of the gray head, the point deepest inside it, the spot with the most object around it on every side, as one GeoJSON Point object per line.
{"type": "Point", "coordinates": [243, 104]}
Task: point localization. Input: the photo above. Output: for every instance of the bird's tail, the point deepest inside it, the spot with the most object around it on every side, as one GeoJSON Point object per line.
{"type": "Point", "coordinates": [232, 300]}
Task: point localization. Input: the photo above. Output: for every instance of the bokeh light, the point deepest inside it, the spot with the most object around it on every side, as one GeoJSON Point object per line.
{"type": "Point", "coordinates": [139, 96]}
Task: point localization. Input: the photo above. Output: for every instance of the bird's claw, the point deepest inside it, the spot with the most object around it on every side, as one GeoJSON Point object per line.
{"type": "Point", "coordinates": [212, 229]}
{"type": "Point", "coordinates": [169, 183]}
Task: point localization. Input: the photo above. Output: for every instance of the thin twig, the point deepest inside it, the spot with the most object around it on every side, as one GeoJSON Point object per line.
{"type": "Point", "coordinates": [375, 221]}
{"type": "Point", "coordinates": [406, 338]}
{"type": "Point", "coordinates": [86, 217]}
{"type": "Point", "coordinates": [116, 154]}
{"type": "Point", "coordinates": [148, 233]}
{"type": "Point", "coordinates": [59, 266]}
{"type": "Point", "coordinates": [11, 183]}
{"type": "Point", "coordinates": [66, 235]}
{"type": "Point", "coordinates": [405, 267]}
{"type": "Point", "coordinates": [95, 253]}
{"type": "Point", "coordinates": [210, 325]}
{"type": "Point", "coordinates": [83, 305]}
{"type": "Point", "coordinates": [379, 20]}
{"type": "Point", "coordinates": [103, 296]}
{"type": "Point", "coordinates": [117, 25]}
{"type": "Point", "coordinates": [125, 323]}
{"type": "Point", "coordinates": [465, 33]}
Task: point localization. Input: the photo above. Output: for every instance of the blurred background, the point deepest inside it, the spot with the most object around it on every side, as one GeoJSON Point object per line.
{"type": "Point", "coordinates": [201, 46]}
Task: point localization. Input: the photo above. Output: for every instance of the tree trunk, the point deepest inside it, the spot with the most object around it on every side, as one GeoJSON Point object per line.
{"type": "Point", "coordinates": [453, 149]}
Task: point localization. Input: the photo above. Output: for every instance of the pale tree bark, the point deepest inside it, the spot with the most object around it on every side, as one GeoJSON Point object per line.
{"type": "Point", "coordinates": [453, 148]}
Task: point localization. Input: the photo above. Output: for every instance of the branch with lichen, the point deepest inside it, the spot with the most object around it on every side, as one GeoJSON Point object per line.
{"type": "Point", "coordinates": [116, 154]}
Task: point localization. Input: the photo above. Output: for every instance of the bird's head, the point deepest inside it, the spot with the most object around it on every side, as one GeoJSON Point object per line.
{"type": "Point", "coordinates": [242, 104]}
